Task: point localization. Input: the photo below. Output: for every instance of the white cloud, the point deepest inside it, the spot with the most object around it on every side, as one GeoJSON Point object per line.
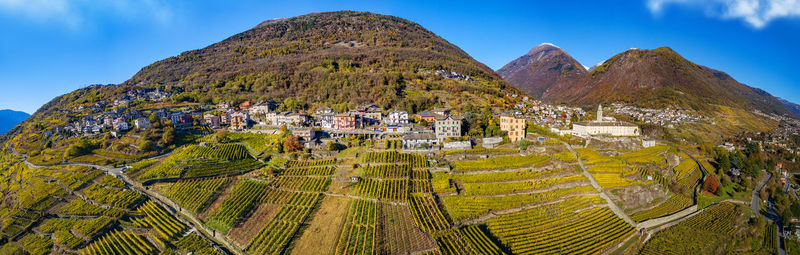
{"type": "Point", "coordinates": [757, 13]}
{"type": "Point", "coordinates": [75, 13]}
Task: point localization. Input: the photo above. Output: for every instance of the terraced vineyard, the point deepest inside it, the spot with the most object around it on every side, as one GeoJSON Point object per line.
{"type": "Point", "coordinates": [545, 215]}
{"type": "Point", "coordinates": [75, 180]}
{"type": "Point", "coordinates": [203, 168]}
{"type": "Point", "coordinates": [125, 199]}
{"type": "Point", "coordinates": [501, 162]}
{"type": "Point", "coordinates": [647, 156]}
{"type": "Point", "coordinates": [684, 168]}
{"type": "Point", "coordinates": [702, 234]}
{"type": "Point", "coordinates": [400, 233]}
{"type": "Point", "coordinates": [464, 207]}
{"type": "Point", "coordinates": [282, 228]}
{"type": "Point", "coordinates": [565, 157]}
{"type": "Point", "coordinates": [196, 194]}
{"type": "Point", "coordinates": [301, 183]}
{"type": "Point", "coordinates": [674, 204]}
{"type": "Point", "coordinates": [509, 175]}
{"type": "Point", "coordinates": [359, 234]}
{"type": "Point", "coordinates": [120, 242]}
{"type": "Point", "coordinates": [615, 166]}
{"type": "Point", "coordinates": [610, 181]}
{"type": "Point", "coordinates": [202, 161]}
{"type": "Point", "coordinates": [309, 171]}
{"type": "Point", "coordinates": [479, 241]}
{"type": "Point", "coordinates": [80, 207]}
{"type": "Point", "coordinates": [657, 177]}
{"type": "Point", "coordinates": [589, 231]}
{"type": "Point", "coordinates": [388, 171]}
{"type": "Point", "coordinates": [220, 151]}
{"type": "Point", "coordinates": [427, 214]}
{"type": "Point", "coordinates": [235, 206]}
{"type": "Point", "coordinates": [319, 162]}
{"type": "Point", "coordinates": [473, 189]}
{"type": "Point", "coordinates": [692, 179]}
{"type": "Point", "coordinates": [166, 226]}
{"type": "Point", "coordinates": [386, 189]}
{"type": "Point", "coordinates": [452, 241]}
{"type": "Point", "coordinates": [771, 237]}
{"type": "Point", "coordinates": [413, 159]}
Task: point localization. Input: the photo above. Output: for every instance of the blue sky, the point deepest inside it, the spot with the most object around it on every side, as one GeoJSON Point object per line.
{"type": "Point", "coordinates": [51, 47]}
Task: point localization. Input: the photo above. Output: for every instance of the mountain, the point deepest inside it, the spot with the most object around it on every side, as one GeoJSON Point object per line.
{"type": "Point", "coordinates": [543, 67]}
{"type": "Point", "coordinates": [332, 57]}
{"type": "Point", "coordinates": [795, 108]}
{"type": "Point", "coordinates": [10, 118]}
{"type": "Point", "coordinates": [655, 78]}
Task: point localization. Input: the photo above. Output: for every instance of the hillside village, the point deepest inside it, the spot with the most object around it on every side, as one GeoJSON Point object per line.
{"type": "Point", "coordinates": [437, 128]}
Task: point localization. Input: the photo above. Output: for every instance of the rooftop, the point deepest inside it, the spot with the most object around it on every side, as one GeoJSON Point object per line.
{"type": "Point", "coordinates": [605, 124]}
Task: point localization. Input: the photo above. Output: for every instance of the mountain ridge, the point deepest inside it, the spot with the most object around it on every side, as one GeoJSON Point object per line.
{"type": "Point", "coordinates": [542, 67]}
{"type": "Point", "coordinates": [658, 78]}
{"type": "Point", "coordinates": [10, 118]}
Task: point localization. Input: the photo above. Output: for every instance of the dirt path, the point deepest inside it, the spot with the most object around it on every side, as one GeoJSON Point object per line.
{"type": "Point", "coordinates": [659, 221]}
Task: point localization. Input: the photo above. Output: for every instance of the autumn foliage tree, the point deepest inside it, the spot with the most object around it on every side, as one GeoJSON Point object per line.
{"type": "Point", "coordinates": [292, 144]}
{"type": "Point", "coordinates": [711, 185]}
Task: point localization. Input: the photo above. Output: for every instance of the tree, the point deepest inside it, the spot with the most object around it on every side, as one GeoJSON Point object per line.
{"type": "Point", "coordinates": [154, 120]}
{"type": "Point", "coordinates": [146, 145]}
{"type": "Point", "coordinates": [169, 136]}
{"type": "Point", "coordinates": [711, 185]}
{"type": "Point", "coordinates": [724, 163]}
{"type": "Point", "coordinates": [334, 146]}
{"type": "Point", "coordinates": [486, 114]}
{"type": "Point", "coordinates": [292, 144]}
{"type": "Point", "coordinates": [292, 103]}
{"type": "Point", "coordinates": [523, 144]}
{"type": "Point", "coordinates": [82, 147]}
{"type": "Point", "coordinates": [221, 136]}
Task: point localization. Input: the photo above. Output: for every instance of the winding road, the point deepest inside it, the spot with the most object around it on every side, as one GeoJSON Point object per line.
{"type": "Point", "coordinates": [755, 204]}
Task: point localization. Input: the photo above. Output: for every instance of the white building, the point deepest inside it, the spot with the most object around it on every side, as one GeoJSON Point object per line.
{"type": "Point", "coordinates": [419, 141]}
{"type": "Point", "coordinates": [397, 118]}
{"type": "Point", "coordinates": [142, 123]}
{"type": "Point", "coordinates": [603, 127]}
{"type": "Point", "coordinates": [324, 120]}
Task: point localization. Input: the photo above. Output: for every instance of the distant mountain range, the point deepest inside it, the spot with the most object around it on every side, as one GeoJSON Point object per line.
{"type": "Point", "coordinates": [652, 78]}
{"type": "Point", "coordinates": [10, 118]}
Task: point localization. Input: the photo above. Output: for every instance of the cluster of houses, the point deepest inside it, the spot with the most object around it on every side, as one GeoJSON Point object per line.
{"type": "Point", "coordinates": [664, 117]}
{"type": "Point", "coordinates": [438, 127]}
{"type": "Point", "coordinates": [122, 120]}
{"type": "Point", "coordinates": [547, 115]}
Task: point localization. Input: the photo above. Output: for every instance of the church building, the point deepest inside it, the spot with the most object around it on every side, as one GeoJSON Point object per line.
{"type": "Point", "coordinates": [605, 126]}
